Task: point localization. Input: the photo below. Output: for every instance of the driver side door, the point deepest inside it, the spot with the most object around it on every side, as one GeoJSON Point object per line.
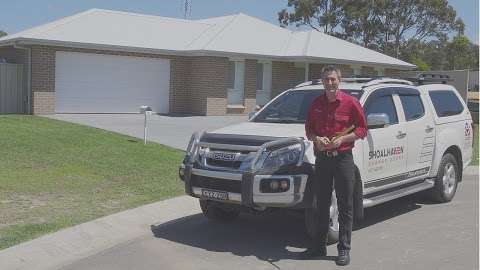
{"type": "Point", "coordinates": [385, 147]}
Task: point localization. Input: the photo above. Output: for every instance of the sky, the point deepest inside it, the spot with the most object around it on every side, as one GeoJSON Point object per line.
{"type": "Point", "coordinates": [23, 14]}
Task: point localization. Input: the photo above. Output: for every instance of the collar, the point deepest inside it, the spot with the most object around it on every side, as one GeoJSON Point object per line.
{"type": "Point", "coordinates": [339, 95]}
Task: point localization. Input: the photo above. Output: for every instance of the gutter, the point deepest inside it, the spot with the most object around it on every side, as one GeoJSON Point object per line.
{"type": "Point", "coordinates": [29, 73]}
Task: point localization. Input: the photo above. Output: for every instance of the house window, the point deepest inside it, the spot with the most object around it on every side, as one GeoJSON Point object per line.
{"type": "Point", "coordinates": [380, 71]}
{"type": "Point", "coordinates": [264, 82]}
{"type": "Point", "coordinates": [231, 75]}
{"type": "Point", "coordinates": [235, 80]}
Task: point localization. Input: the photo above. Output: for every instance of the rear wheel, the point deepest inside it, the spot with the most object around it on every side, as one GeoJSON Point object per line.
{"type": "Point", "coordinates": [447, 179]}
{"type": "Point", "coordinates": [218, 211]}
{"type": "Point", "coordinates": [312, 221]}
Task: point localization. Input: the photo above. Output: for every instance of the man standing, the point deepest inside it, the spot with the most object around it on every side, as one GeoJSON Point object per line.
{"type": "Point", "coordinates": [331, 114]}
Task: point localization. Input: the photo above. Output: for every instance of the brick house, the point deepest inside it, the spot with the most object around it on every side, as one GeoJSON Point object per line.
{"type": "Point", "coordinates": [102, 61]}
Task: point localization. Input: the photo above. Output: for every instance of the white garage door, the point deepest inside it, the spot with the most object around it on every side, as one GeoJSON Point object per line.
{"type": "Point", "coordinates": [98, 83]}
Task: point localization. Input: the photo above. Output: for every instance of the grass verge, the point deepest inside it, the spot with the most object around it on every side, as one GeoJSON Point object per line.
{"type": "Point", "coordinates": [476, 152]}
{"type": "Point", "coordinates": [55, 174]}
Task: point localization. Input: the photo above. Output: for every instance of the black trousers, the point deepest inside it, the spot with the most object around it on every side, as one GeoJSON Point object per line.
{"type": "Point", "coordinates": [338, 171]}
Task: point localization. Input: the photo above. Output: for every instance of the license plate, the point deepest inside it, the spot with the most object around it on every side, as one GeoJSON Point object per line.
{"type": "Point", "coordinates": [216, 195]}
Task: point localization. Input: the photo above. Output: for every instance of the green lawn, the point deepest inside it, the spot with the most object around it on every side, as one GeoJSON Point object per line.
{"type": "Point", "coordinates": [55, 174]}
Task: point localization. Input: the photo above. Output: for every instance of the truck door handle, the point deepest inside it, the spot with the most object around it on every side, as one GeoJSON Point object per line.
{"type": "Point", "coordinates": [428, 128]}
{"type": "Point", "coordinates": [401, 134]}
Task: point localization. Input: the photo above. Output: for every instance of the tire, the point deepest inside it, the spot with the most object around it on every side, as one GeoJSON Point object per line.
{"type": "Point", "coordinates": [215, 211]}
{"type": "Point", "coordinates": [312, 224]}
{"type": "Point", "coordinates": [447, 179]}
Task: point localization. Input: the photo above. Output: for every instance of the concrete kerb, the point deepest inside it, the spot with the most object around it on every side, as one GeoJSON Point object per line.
{"type": "Point", "coordinates": [58, 249]}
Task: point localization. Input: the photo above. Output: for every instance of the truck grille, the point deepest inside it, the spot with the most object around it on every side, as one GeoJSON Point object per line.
{"type": "Point", "coordinates": [223, 164]}
{"type": "Point", "coordinates": [234, 186]}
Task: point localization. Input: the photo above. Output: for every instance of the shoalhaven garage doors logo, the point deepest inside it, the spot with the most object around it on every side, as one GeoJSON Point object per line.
{"type": "Point", "coordinates": [387, 152]}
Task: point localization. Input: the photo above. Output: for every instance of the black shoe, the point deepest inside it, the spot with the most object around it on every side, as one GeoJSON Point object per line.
{"type": "Point", "coordinates": [311, 253]}
{"type": "Point", "coordinates": [343, 257]}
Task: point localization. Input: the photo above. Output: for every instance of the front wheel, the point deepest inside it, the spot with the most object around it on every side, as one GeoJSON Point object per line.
{"type": "Point", "coordinates": [312, 220]}
{"type": "Point", "coordinates": [447, 179]}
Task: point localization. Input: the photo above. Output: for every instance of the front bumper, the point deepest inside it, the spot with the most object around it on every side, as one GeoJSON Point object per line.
{"type": "Point", "coordinates": [244, 188]}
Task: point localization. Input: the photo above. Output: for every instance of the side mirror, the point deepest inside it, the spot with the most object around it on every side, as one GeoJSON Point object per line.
{"type": "Point", "coordinates": [377, 120]}
{"type": "Point", "coordinates": [252, 114]}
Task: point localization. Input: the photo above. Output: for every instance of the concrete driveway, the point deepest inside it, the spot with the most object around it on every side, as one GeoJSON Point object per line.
{"type": "Point", "coordinates": [408, 233]}
{"type": "Point", "coordinates": [174, 131]}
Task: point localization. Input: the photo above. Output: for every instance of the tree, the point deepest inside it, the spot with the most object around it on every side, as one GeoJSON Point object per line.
{"type": "Point", "coordinates": [404, 20]}
{"type": "Point", "coordinates": [362, 22]}
{"type": "Point", "coordinates": [420, 63]}
{"type": "Point", "coordinates": [442, 54]}
{"type": "Point", "coordinates": [461, 53]}
{"type": "Point", "coordinates": [384, 25]}
{"type": "Point", "coordinates": [321, 15]}
{"type": "Point", "coordinates": [2, 33]}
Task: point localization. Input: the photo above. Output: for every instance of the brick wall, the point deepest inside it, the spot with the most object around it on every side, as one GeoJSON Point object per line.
{"type": "Point", "coordinates": [179, 89]}
{"type": "Point", "coordinates": [43, 72]}
{"type": "Point", "coordinates": [346, 70]}
{"type": "Point", "coordinates": [369, 71]}
{"type": "Point", "coordinates": [44, 102]}
{"type": "Point", "coordinates": [43, 77]}
{"type": "Point", "coordinates": [315, 71]}
{"type": "Point", "coordinates": [390, 72]}
{"type": "Point", "coordinates": [197, 84]}
{"type": "Point", "coordinates": [250, 93]}
{"type": "Point", "coordinates": [283, 77]}
{"type": "Point", "coordinates": [208, 84]}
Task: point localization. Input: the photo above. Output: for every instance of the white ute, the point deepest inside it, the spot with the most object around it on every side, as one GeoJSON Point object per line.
{"type": "Point", "coordinates": [419, 138]}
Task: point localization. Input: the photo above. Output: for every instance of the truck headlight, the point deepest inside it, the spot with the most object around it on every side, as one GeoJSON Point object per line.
{"type": "Point", "coordinates": [285, 156]}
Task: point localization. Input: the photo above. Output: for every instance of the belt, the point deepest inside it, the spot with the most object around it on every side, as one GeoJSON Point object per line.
{"type": "Point", "coordinates": [334, 153]}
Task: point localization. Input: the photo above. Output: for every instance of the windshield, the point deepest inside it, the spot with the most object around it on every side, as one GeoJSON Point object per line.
{"type": "Point", "coordinates": [292, 106]}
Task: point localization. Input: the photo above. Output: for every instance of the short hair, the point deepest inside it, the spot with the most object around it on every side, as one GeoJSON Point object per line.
{"type": "Point", "coordinates": [329, 69]}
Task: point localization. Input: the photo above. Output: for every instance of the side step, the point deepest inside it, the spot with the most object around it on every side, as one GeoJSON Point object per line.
{"type": "Point", "coordinates": [428, 183]}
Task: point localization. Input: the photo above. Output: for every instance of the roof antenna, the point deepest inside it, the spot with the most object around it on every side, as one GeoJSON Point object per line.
{"type": "Point", "coordinates": [187, 9]}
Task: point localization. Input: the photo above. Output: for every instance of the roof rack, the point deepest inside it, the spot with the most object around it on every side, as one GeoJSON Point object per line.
{"type": "Point", "coordinates": [420, 79]}
{"type": "Point", "coordinates": [426, 78]}
{"type": "Point", "coordinates": [380, 80]}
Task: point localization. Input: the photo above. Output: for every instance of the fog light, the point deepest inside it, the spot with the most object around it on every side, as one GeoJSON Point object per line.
{"type": "Point", "coordinates": [275, 185]}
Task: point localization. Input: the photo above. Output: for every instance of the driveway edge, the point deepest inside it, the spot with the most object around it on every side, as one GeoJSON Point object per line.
{"type": "Point", "coordinates": [61, 248]}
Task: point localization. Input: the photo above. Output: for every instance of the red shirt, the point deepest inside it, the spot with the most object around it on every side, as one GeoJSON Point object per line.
{"type": "Point", "coordinates": [327, 119]}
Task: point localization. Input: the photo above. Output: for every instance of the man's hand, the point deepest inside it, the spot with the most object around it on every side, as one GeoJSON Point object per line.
{"type": "Point", "coordinates": [321, 143]}
{"type": "Point", "coordinates": [334, 144]}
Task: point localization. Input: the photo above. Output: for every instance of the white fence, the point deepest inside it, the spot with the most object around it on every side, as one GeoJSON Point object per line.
{"type": "Point", "coordinates": [12, 89]}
